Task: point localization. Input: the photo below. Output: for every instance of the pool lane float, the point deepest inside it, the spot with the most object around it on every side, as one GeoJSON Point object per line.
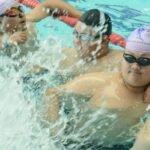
{"type": "Point", "coordinates": [29, 3]}
{"type": "Point", "coordinates": [115, 38]}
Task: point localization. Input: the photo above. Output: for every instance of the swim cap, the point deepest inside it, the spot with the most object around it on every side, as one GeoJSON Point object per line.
{"type": "Point", "coordinates": [139, 40]}
{"type": "Point", "coordinates": [6, 4]}
{"type": "Point", "coordinates": [95, 17]}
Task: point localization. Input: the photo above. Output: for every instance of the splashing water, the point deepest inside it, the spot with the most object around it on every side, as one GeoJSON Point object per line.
{"type": "Point", "coordinates": [20, 122]}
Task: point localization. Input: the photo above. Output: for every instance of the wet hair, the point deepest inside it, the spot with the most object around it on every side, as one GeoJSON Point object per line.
{"type": "Point", "coordinates": [96, 18]}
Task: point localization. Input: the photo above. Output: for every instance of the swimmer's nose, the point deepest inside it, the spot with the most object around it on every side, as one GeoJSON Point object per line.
{"type": "Point", "coordinates": [136, 67]}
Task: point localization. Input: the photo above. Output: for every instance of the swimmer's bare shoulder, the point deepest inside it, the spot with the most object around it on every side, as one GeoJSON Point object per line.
{"type": "Point", "coordinates": [95, 86]}
{"type": "Point", "coordinates": [115, 56]}
{"type": "Point", "coordinates": [86, 85]}
{"type": "Point", "coordinates": [115, 53]}
{"type": "Point", "coordinates": [83, 85]}
{"type": "Point", "coordinates": [89, 83]}
{"type": "Point", "coordinates": [111, 61]}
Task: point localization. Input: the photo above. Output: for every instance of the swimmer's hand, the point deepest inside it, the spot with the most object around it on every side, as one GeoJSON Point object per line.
{"type": "Point", "coordinates": [17, 38]}
{"type": "Point", "coordinates": [147, 95]}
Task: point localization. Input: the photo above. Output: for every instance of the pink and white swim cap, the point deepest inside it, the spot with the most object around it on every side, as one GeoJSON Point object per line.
{"type": "Point", "coordinates": [139, 40]}
{"type": "Point", "coordinates": [6, 4]}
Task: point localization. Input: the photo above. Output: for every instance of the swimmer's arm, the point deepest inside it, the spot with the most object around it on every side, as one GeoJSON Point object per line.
{"type": "Point", "coordinates": [50, 108]}
{"type": "Point", "coordinates": [84, 85]}
{"type": "Point", "coordinates": [38, 14]}
{"type": "Point", "coordinates": [19, 37]}
{"type": "Point", "coordinates": [143, 139]}
{"type": "Point", "coordinates": [51, 103]}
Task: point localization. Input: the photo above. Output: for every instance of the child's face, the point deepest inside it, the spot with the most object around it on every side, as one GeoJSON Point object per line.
{"type": "Point", "coordinates": [13, 20]}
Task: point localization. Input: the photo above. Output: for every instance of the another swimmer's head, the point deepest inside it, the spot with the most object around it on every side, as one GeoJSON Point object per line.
{"type": "Point", "coordinates": [136, 58]}
{"type": "Point", "coordinates": [91, 34]}
{"type": "Point", "coordinates": [99, 19]}
{"type": "Point", "coordinates": [13, 19]}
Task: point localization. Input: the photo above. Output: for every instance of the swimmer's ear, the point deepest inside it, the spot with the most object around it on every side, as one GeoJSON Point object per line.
{"type": "Point", "coordinates": [105, 39]}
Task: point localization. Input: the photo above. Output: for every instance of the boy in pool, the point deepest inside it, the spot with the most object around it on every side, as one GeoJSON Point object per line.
{"type": "Point", "coordinates": [91, 41]}
{"type": "Point", "coordinates": [17, 36]}
{"type": "Point", "coordinates": [114, 110]}
{"type": "Point", "coordinates": [52, 7]}
{"type": "Point", "coordinates": [91, 52]}
{"type": "Point", "coordinates": [13, 24]}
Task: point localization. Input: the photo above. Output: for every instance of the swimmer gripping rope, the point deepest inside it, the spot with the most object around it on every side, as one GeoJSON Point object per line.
{"type": "Point", "coordinates": [115, 39]}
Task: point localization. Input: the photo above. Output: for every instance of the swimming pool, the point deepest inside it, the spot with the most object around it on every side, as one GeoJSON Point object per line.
{"type": "Point", "coordinates": [125, 16]}
{"type": "Point", "coordinates": [19, 125]}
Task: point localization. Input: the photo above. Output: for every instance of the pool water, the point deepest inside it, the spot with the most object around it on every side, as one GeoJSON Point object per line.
{"type": "Point", "coordinates": [20, 126]}
{"type": "Point", "coordinates": [126, 16]}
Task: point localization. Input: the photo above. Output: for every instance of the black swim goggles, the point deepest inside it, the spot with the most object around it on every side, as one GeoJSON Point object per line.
{"type": "Point", "coordinates": [142, 61]}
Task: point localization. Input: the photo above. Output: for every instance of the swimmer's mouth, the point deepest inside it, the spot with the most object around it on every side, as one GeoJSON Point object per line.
{"type": "Point", "coordinates": [135, 72]}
